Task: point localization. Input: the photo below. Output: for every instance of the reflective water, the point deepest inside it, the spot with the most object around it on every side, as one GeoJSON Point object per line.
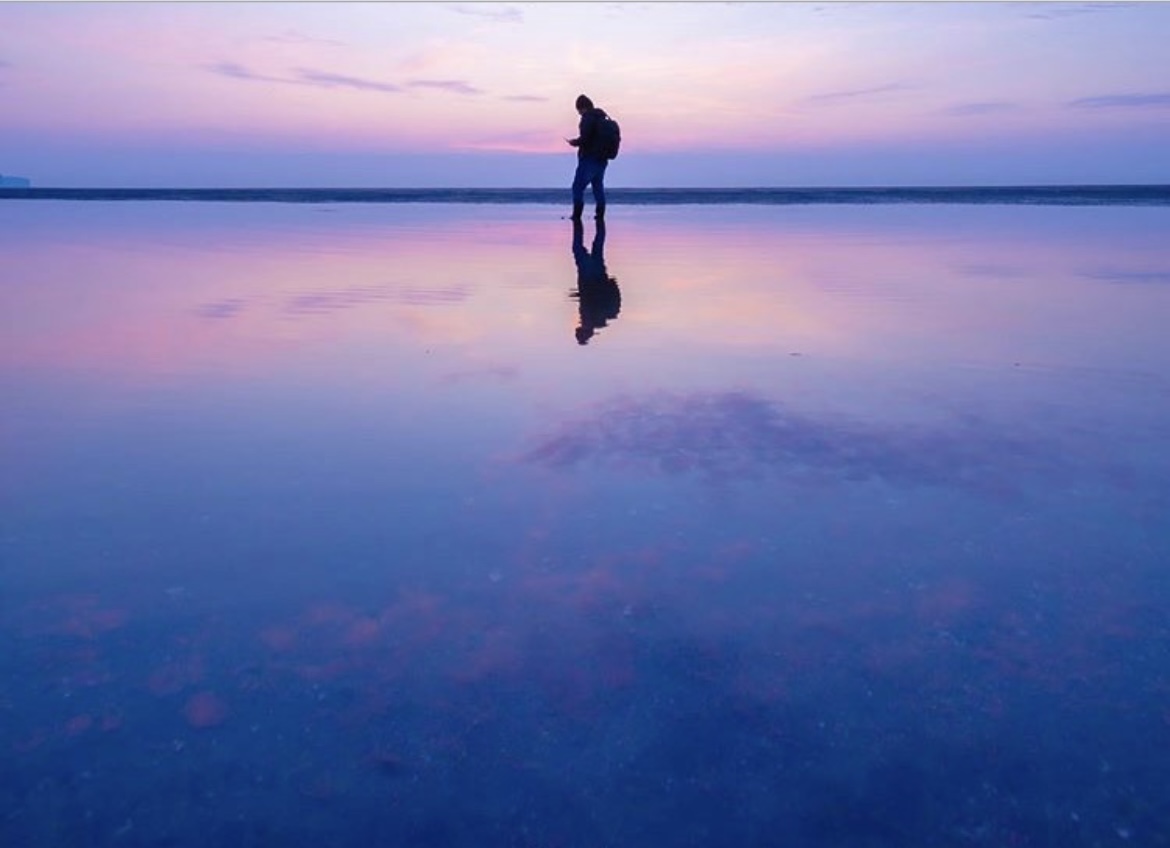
{"type": "Point", "coordinates": [432, 525]}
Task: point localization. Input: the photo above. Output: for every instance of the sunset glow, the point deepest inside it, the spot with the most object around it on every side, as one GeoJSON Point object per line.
{"type": "Point", "coordinates": [479, 94]}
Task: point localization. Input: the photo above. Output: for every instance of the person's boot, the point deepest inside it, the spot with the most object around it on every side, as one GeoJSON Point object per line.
{"type": "Point", "coordinates": [578, 208]}
{"type": "Point", "coordinates": [600, 211]}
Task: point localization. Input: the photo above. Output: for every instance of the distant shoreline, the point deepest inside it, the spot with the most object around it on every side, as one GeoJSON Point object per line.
{"type": "Point", "coordinates": [1069, 195]}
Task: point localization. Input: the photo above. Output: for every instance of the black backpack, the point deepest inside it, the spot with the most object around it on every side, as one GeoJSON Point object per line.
{"type": "Point", "coordinates": [609, 137]}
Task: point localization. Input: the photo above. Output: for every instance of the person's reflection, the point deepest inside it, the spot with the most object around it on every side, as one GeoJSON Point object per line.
{"type": "Point", "coordinates": [598, 298]}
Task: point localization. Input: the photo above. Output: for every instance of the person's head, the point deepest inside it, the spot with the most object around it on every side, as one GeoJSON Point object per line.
{"type": "Point", "coordinates": [584, 104]}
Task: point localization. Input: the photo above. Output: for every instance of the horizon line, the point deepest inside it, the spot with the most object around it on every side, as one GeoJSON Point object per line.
{"type": "Point", "coordinates": [609, 189]}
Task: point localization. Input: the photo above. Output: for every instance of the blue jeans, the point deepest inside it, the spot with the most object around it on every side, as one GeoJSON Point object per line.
{"type": "Point", "coordinates": [590, 171]}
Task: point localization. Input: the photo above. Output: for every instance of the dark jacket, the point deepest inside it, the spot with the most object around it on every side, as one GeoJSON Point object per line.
{"type": "Point", "coordinates": [589, 135]}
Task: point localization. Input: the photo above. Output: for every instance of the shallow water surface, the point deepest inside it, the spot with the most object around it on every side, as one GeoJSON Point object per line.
{"type": "Point", "coordinates": [450, 525]}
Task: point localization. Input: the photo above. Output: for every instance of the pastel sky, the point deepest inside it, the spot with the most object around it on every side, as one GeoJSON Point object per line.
{"type": "Point", "coordinates": [481, 94]}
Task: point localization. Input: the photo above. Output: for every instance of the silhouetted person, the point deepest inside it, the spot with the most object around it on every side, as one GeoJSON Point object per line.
{"type": "Point", "coordinates": [591, 158]}
{"type": "Point", "coordinates": [598, 298]}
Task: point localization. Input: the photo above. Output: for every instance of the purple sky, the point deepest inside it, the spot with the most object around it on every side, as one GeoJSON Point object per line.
{"type": "Point", "coordinates": [438, 94]}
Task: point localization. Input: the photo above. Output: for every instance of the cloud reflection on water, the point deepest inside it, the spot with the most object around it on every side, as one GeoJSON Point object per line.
{"type": "Point", "coordinates": [737, 435]}
{"type": "Point", "coordinates": [221, 309]}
